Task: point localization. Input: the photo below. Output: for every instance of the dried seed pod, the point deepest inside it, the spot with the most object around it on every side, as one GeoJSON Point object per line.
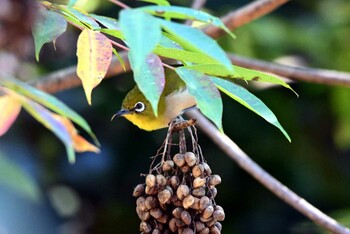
{"type": "Point", "coordinates": [182, 191]}
{"type": "Point", "coordinates": [219, 214]}
{"type": "Point", "coordinates": [212, 192]}
{"type": "Point", "coordinates": [172, 225]}
{"type": "Point", "coordinates": [188, 201]}
{"type": "Point", "coordinates": [143, 215]}
{"type": "Point", "coordinates": [180, 223]}
{"type": "Point", "coordinates": [205, 231]}
{"type": "Point", "coordinates": [204, 202]}
{"type": "Point", "coordinates": [156, 213]}
{"type": "Point", "coordinates": [210, 223]}
{"type": "Point", "coordinates": [185, 169]}
{"type": "Point", "coordinates": [198, 192]}
{"type": "Point", "coordinates": [179, 159]}
{"type": "Point", "coordinates": [198, 182]}
{"type": "Point", "coordinates": [190, 159]}
{"type": "Point", "coordinates": [218, 225]}
{"type": "Point", "coordinates": [174, 181]}
{"type": "Point", "coordinates": [150, 180]}
{"type": "Point", "coordinates": [195, 204]}
{"type": "Point", "coordinates": [207, 169]}
{"type": "Point", "coordinates": [163, 207]}
{"type": "Point", "coordinates": [199, 226]}
{"type": "Point", "coordinates": [151, 202]}
{"type": "Point", "coordinates": [145, 227]}
{"type": "Point", "coordinates": [139, 190]}
{"type": "Point", "coordinates": [208, 212]}
{"type": "Point", "coordinates": [164, 196]}
{"type": "Point", "coordinates": [151, 190]}
{"type": "Point", "coordinates": [187, 231]}
{"type": "Point", "coordinates": [177, 212]}
{"type": "Point", "coordinates": [161, 180]}
{"type": "Point", "coordinates": [168, 165]}
{"type": "Point", "coordinates": [198, 170]}
{"type": "Point", "coordinates": [174, 198]}
{"type": "Point", "coordinates": [156, 231]}
{"type": "Point", "coordinates": [186, 217]}
{"type": "Point", "coordinates": [163, 218]}
{"type": "Point", "coordinates": [214, 180]}
{"type": "Point", "coordinates": [214, 230]}
{"type": "Point", "coordinates": [204, 220]}
{"type": "Point", "coordinates": [178, 203]}
{"type": "Point", "coordinates": [140, 203]}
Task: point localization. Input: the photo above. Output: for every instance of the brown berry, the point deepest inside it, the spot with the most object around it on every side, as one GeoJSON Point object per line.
{"type": "Point", "coordinates": [151, 202]}
{"type": "Point", "coordinates": [207, 169]}
{"type": "Point", "coordinates": [164, 196]}
{"type": "Point", "coordinates": [204, 203]}
{"type": "Point", "coordinates": [182, 191]}
{"type": "Point", "coordinates": [214, 230]}
{"type": "Point", "coordinates": [177, 212]}
{"type": "Point", "coordinates": [172, 225]}
{"type": "Point", "coordinates": [198, 192]}
{"type": "Point", "coordinates": [168, 165]}
{"type": "Point", "coordinates": [212, 192]}
{"type": "Point", "coordinates": [174, 181]}
{"type": "Point", "coordinates": [218, 225]}
{"type": "Point", "coordinates": [156, 231]}
{"type": "Point", "coordinates": [205, 231]}
{"type": "Point", "coordinates": [187, 201]}
{"type": "Point", "coordinates": [151, 190]}
{"type": "Point", "coordinates": [156, 213]}
{"type": "Point", "coordinates": [185, 169]}
{"type": "Point", "coordinates": [139, 190]}
{"type": "Point", "coordinates": [145, 227]}
{"type": "Point", "coordinates": [198, 170]}
{"type": "Point", "coordinates": [187, 231]}
{"type": "Point", "coordinates": [179, 159]}
{"type": "Point", "coordinates": [143, 215]}
{"type": "Point", "coordinates": [208, 212]}
{"type": "Point", "coordinates": [190, 159]}
{"type": "Point", "coordinates": [140, 203]}
{"type": "Point", "coordinates": [195, 204]}
{"type": "Point", "coordinates": [186, 217]}
{"type": "Point", "coordinates": [161, 180]}
{"type": "Point", "coordinates": [214, 180]}
{"type": "Point", "coordinates": [150, 180]}
{"type": "Point", "coordinates": [198, 182]}
{"type": "Point", "coordinates": [219, 214]}
{"type": "Point", "coordinates": [199, 226]}
{"type": "Point", "coordinates": [163, 218]}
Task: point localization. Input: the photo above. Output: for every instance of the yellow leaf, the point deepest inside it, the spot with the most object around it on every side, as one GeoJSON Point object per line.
{"type": "Point", "coordinates": [94, 51]}
{"type": "Point", "coordinates": [9, 110]}
{"type": "Point", "coordinates": [80, 144]}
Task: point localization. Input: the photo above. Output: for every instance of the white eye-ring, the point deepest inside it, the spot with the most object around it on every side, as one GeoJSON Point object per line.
{"type": "Point", "coordinates": [139, 107]}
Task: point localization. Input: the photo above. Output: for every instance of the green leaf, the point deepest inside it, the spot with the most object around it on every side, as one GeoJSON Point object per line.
{"type": "Point", "coordinates": [48, 101]}
{"type": "Point", "coordinates": [72, 3]}
{"type": "Point", "coordinates": [48, 26]}
{"type": "Point", "coordinates": [195, 40]}
{"type": "Point", "coordinates": [120, 59]}
{"type": "Point", "coordinates": [158, 2]}
{"type": "Point", "coordinates": [113, 32]}
{"type": "Point", "coordinates": [206, 94]}
{"type": "Point", "coordinates": [177, 12]}
{"type": "Point", "coordinates": [142, 33]}
{"type": "Point", "coordinates": [250, 101]}
{"type": "Point", "coordinates": [83, 17]}
{"type": "Point", "coordinates": [12, 176]}
{"type": "Point", "coordinates": [46, 118]}
{"type": "Point", "coordinates": [150, 79]}
{"type": "Point", "coordinates": [239, 73]}
{"type": "Point", "coordinates": [108, 22]}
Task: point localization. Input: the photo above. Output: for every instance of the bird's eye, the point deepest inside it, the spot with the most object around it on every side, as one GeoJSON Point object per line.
{"type": "Point", "coordinates": [139, 107]}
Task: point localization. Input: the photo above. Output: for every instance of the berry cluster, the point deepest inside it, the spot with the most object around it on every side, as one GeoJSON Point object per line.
{"type": "Point", "coordinates": [178, 195]}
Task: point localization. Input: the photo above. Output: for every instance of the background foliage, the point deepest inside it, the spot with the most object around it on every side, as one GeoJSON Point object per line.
{"type": "Point", "coordinates": [94, 195]}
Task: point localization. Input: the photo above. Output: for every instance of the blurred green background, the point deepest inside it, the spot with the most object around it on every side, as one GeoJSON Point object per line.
{"type": "Point", "coordinates": [94, 195]}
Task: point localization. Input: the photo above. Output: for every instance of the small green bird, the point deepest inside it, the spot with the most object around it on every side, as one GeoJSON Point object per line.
{"type": "Point", "coordinates": [174, 100]}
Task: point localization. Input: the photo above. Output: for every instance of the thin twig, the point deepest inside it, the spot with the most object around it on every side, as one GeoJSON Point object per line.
{"type": "Point", "coordinates": [119, 3]}
{"type": "Point", "coordinates": [280, 190]}
{"type": "Point", "coordinates": [244, 15]}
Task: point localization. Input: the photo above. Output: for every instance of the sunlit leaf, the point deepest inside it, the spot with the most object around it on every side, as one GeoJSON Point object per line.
{"type": "Point", "coordinates": [94, 51]}
{"type": "Point", "coordinates": [142, 33]}
{"type": "Point", "coordinates": [150, 79]}
{"type": "Point", "coordinates": [206, 94]}
{"type": "Point", "coordinates": [9, 110]}
{"type": "Point", "coordinates": [177, 12]}
{"type": "Point", "coordinates": [12, 176]}
{"type": "Point", "coordinates": [120, 59]}
{"type": "Point", "coordinates": [80, 144]}
{"type": "Point", "coordinates": [250, 101]}
{"type": "Point", "coordinates": [158, 2]}
{"type": "Point", "coordinates": [83, 17]}
{"type": "Point", "coordinates": [46, 100]}
{"type": "Point", "coordinates": [195, 40]}
{"type": "Point", "coordinates": [48, 26]}
{"type": "Point", "coordinates": [108, 22]}
{"type": "Point", "coordinates": [46, 118]}
{"type": "Point", "coordinates": [239, 73]}
{"type": "Point", "coordinates": [113, 32]}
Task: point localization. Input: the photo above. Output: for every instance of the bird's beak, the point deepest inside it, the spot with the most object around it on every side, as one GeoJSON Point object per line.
{"type": "Point", "coordinates": [120, 113]}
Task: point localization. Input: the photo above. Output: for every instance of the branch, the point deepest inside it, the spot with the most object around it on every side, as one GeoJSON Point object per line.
{"type": "Point", "coordinates": [196, 5]}
{"type": "Point", "coordinates": [281, 191]}
{"type": "Point", "coordinates": [244, 15]}
{"type": "Point", "coordinates": [320, 76]}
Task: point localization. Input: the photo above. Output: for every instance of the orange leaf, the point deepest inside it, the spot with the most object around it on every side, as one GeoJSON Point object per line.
{"type": "Point", "coordinates": [94, 51]}
{"type": "Point", "coordinates": [9, 110]}
{"type": "Point", "coordinates": [79, 143]}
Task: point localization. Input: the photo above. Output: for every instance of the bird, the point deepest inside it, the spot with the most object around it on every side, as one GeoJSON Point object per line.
{"type": "Point", "coordinates": [174, 101]}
